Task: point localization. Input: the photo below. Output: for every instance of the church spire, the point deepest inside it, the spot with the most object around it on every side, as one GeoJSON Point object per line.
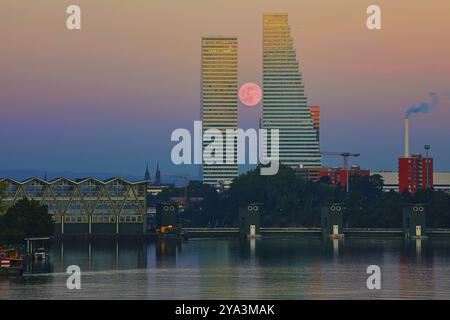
{"type": "Point", "coordinates": [157, 175]}
{"type": "Point", "coordinates": [147, 173]}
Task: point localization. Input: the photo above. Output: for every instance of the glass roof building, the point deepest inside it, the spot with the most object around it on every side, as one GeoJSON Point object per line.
{"type": "Point", "coordinates": [86, 206]}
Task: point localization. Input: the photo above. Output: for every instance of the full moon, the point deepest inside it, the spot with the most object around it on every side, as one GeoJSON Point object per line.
{"type": "Point", "coordinates": [250, 94]}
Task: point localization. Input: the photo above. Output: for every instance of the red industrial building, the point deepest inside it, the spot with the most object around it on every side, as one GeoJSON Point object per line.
{"type": "Point", "coordinates": [414, 172]}
{"type": "Point", "coordinates": [338, 176]}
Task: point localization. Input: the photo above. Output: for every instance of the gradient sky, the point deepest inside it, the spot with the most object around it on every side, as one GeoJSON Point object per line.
{"type": "Point", "coordinates": [106, 98]}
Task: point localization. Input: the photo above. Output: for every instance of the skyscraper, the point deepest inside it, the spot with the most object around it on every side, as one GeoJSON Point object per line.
{"type": "Point", "coordinates": [219, 85]}
{"type": "Point", "coordinates": [284, 100]}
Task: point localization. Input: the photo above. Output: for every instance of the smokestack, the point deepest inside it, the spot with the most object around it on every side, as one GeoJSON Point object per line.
{"type": "Point", "coordinates": [406, 138]}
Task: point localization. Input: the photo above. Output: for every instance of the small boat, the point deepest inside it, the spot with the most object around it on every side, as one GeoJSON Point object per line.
{"type": "Point", "coordinates": [169, 232]}
{"type": "Point", "coordinates": [11, 262]}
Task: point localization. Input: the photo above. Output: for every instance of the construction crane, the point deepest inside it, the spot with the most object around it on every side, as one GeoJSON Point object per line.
{"type": "Point", "coordinates": [185, 178]}
{"type": "Point", "coordinates": [345, 156]}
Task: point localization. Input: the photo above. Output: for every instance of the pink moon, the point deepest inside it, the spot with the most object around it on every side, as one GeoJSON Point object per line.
{"type": "Point", "coordinates": [250, 94]}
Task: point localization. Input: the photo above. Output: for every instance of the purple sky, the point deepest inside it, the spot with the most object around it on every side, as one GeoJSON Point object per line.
{"type": "Point", "coordinates": [106, 98]}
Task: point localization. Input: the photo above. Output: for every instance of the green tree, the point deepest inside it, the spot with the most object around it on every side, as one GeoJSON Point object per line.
{"type": "Point", "coordinates": [205, 207]}
{"type": "Point", "coordinates": [438, 207]}
{"type": "Point", "coordinates": [290, 201]}
{"type": "Point", "coordinates": [26, 218]}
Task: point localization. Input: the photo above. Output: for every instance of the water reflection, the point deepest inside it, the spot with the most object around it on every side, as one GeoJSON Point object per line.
{"type": "Point", "coordinates": [417, 250]}
{"type": "Point", "coordinates": [224, 268]}
{"type": "Point", "coordinates": [125, 255]}
{"type": "Point", "coordinates": [335, 248]}
{"type": "Point", "coordinates": [36, 267]}
{"type": "Point", "coordinates": [252, 248]}
{"type": "Point", "coordinates": [166, 252]}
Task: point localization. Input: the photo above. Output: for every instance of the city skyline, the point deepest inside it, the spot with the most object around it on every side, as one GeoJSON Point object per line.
{"type": "Point", "coordinates": [67, 109]}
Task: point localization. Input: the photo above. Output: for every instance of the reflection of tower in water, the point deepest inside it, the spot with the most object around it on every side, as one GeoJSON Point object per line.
{"type": "Point", "coordinates": [316, 292]}
{"type": "Point", "coordinates": [335, 248]}
{"type": "Point", "coordinates": [418, 250]}
{"type": "Point", "coordinates": [333, 270]}
{"type": "Point", "coordinates": [252, 249]}
{"type": "Point", "coordinates": [219, 274]}
{"type": "Point", "coordinates": [416, 269]}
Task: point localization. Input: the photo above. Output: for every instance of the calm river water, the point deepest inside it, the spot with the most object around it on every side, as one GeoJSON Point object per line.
{"type": "Point", "coordinates": [236, 269]}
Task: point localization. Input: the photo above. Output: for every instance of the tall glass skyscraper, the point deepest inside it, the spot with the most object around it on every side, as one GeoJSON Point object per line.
{"type": "Point", "coordinates": [219, 85]}
{"type": "Point", "coordinates": [284, 100]}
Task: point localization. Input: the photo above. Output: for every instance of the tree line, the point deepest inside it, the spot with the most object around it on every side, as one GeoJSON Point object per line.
{"type": "Point", "coordinates": [290, 201]}
{"type": "Point", "coordinates": [26, 218]}
{"type": "Point", "coordinates": [287, 199]}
